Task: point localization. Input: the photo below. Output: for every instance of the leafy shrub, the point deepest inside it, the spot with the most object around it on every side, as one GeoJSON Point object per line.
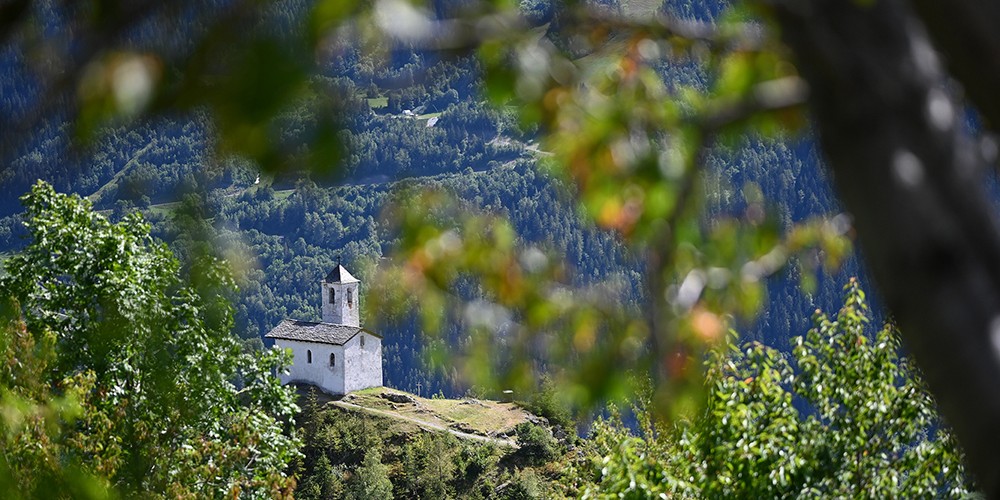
{"type": "Point", "coordinates": [846, 415]}
{"type": "Point", "coordinates": [536, 444]}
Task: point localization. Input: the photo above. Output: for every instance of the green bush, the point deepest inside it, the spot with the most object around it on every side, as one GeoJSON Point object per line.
{"type": "Point", "coordinates": [536, 444]}
{"type": "Point", "coordinates": [864, 426]}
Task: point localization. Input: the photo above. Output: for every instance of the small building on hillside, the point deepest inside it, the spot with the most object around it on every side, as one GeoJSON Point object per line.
{"type": "Point", "coordinates": [336, 354]}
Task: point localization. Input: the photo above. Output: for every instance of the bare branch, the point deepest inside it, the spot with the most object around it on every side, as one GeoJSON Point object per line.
{"type": "Point", "coordinates": [747, 36]}
{"type": "Point", "coordinates": [766, 97]}
{"type": "Point", "coordinates": [416, 28]}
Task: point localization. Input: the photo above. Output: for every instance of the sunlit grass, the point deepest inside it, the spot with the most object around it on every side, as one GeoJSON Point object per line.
{"type": "Point", "coordinates": [475, 415]}
{"type": "Point", "coordinates": [378, 102]}
{"type": "Point", "coordinates": [163, 209]}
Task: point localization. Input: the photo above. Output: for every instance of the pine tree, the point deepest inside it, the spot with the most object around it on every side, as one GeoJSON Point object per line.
{"type": "Point", "coordinates": [371, 480]}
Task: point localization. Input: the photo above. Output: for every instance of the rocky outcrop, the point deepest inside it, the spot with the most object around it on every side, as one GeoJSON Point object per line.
{"type": "Point", "coordinates": [396, 397]}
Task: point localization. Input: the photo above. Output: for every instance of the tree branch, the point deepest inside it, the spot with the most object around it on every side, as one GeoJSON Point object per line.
{"type": "Point", "coordinates": [743, 37]}
{"type": "Point", "coordinates": [765, 97]}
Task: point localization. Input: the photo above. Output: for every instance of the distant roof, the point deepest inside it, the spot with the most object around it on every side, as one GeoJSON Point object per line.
{"type": "Point", "coordinates": [308, 331]}
{"type": "Point", "coordinates": [340, 275]}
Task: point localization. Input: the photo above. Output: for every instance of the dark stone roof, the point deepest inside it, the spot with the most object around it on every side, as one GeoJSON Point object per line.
{"type": "Point", "coordinates": [308, 331]}
{"type": "Point", "coordinates": [340, 275]}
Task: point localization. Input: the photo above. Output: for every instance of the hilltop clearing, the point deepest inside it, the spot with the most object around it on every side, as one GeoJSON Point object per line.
{"type": "Point", "coordinates": [467, 418]}
{"type": "Point", "coordinates": [380, 440]}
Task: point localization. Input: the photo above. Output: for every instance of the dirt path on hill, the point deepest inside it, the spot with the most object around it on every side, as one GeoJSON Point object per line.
{"type": "Point", "coordinates": [427, 425]}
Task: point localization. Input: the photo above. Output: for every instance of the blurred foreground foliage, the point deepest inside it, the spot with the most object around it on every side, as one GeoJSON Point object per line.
{"type": "Point", "coordinates": [120, 375]}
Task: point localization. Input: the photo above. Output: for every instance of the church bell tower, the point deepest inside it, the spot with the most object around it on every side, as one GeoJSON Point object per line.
{"type": "Point", "coordinates": [341, 302]}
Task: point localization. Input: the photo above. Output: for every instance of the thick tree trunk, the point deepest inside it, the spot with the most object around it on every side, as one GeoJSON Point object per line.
{"type": "Point", "coordinates": [914, 184]}
{"type": "Point", "coordinates": [965, 32]}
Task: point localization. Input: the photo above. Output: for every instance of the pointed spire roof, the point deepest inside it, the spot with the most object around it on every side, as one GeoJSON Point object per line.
{"type": "Point", "coordinates": [340, 275]}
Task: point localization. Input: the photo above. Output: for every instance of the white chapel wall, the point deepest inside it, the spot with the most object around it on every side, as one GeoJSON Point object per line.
{"type": "Point", "coordinates": [319, 372]}
{"type": "Point", "coordinates": [364, 364]}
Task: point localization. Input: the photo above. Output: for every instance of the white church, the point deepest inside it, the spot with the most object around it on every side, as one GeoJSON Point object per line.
{"type": "Point", "coordinates": [336, 355]}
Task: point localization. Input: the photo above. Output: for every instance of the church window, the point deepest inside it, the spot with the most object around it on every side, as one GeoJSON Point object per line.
{"type": "Point", "coordinates": [309, 356]}
{"type": "Point", "coordinates": [350, 299]}
{"type": "Point", "coordinates": [333, 360]}
{"type": "Point", "coordinates": [333, 295]}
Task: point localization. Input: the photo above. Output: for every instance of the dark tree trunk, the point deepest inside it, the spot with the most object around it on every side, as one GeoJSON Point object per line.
{"type": "Point", "coordinates": [914, 184]}
{"type": "Point", "coordinates": [966, 32]}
